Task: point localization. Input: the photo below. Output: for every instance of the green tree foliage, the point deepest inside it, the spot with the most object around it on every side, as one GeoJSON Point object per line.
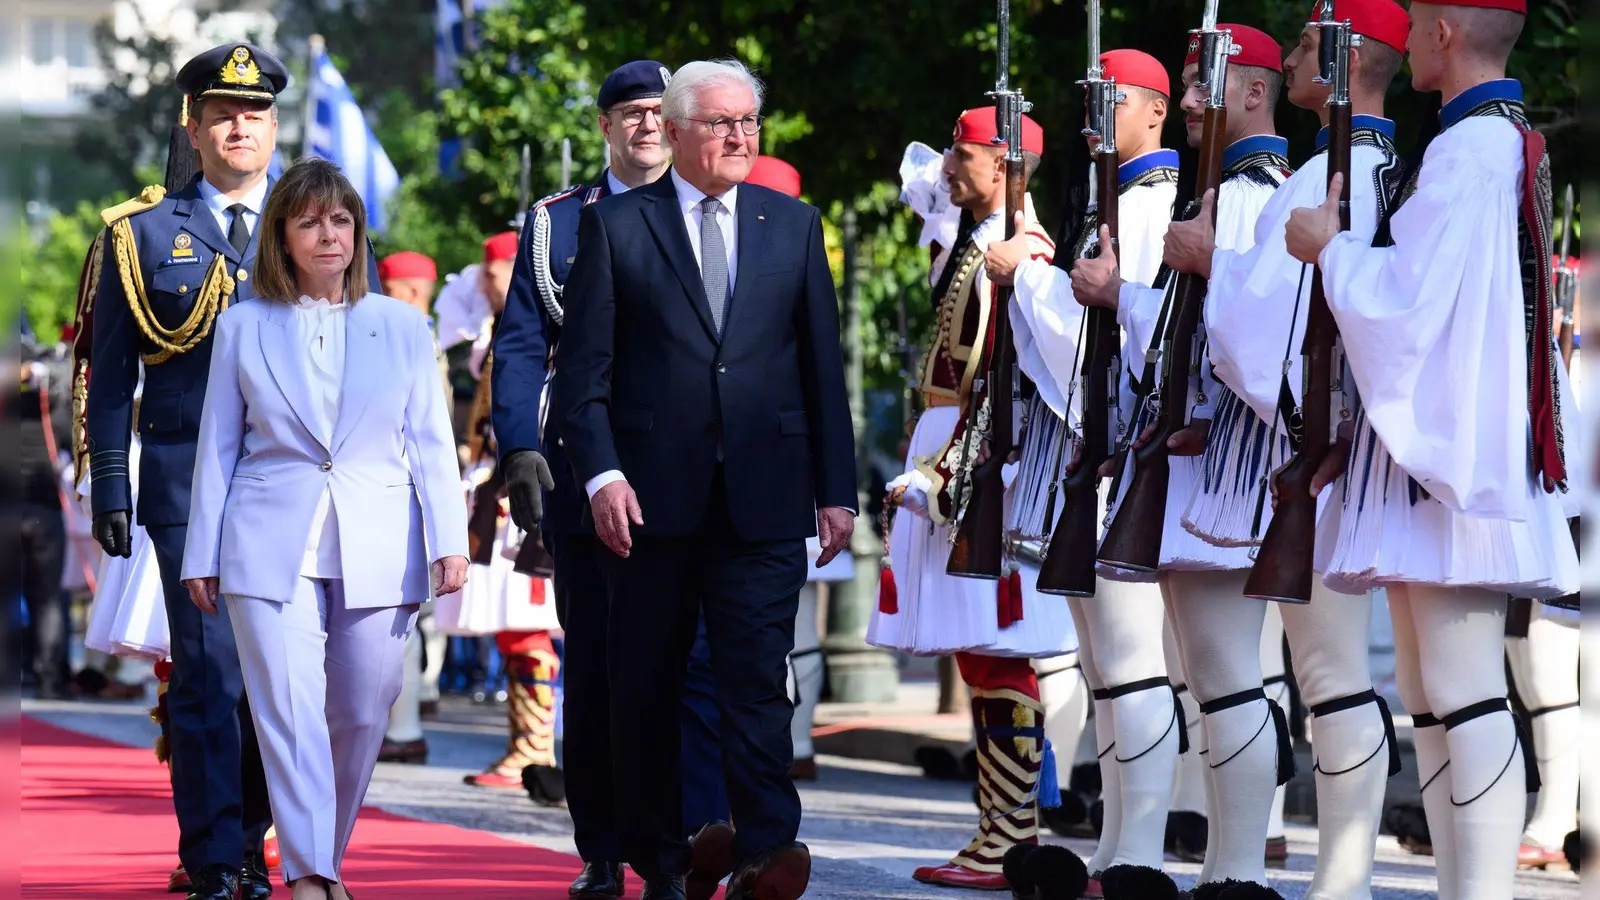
{"type": "Point", "coordinates": [55, 253]}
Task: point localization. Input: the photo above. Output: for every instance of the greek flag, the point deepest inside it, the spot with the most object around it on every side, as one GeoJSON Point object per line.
{"type": "Point", "coordinates": [339, 133]}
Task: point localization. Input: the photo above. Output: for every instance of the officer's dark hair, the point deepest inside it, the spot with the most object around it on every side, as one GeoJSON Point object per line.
{"type": "Point", "coordinates": [1030, 164]}
{"type": "Point", "coordinates": [1380, 63]}
{"type": "Point", "coordinates": [310, 185]}
{"type": "Point", "coordinates": [1271, 78]}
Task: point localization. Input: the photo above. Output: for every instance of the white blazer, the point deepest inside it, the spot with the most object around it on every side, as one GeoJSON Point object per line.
{"type": "Point", "coordinates": [262, 462]}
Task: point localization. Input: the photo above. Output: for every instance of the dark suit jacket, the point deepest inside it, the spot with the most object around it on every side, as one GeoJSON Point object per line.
{"type": "Point", "coordinates": [524, 343]}
{"type": "Point", "coordinates": [644, 385]}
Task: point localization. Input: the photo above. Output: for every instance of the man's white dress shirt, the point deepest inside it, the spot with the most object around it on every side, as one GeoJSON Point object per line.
{"type": "Point", "coordinates": [218, 203]}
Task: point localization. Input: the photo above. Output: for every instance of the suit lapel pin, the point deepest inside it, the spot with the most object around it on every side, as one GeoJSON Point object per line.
{"type": "Point", "coordinates": [761, 218]}
{"type": "Point", "coordinates": [374, 334]}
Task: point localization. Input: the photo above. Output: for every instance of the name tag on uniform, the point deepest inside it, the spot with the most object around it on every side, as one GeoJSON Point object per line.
{"type": "Point", "coordinates": [176, 260]}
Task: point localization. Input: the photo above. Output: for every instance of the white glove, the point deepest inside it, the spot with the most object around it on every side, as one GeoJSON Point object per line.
{"type": "Point", "coordinates": [916, 486]}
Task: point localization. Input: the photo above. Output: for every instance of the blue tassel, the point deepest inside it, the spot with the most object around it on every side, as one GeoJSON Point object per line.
{"type": "Point", "coordinates": [1049, 785]}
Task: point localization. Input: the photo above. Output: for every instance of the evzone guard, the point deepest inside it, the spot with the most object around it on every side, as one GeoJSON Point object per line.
{"type": "Point", "coordinates": [1455, 497]}
{"type": "Point", "coordinates": [1216, 627]}
{"type": "Point", "coordinates": [924, 610]}
{"type": "Point", "coordinates": [1119, 623]}
{"type": "Point", "coordinates": [1256, 312]}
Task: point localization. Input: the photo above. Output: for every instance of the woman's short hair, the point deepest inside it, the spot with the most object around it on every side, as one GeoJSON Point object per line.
{"type": "Point", "coordinates": [310, 185]}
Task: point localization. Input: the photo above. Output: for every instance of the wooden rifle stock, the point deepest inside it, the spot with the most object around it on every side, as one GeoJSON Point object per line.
{"type": "Point", "coordinates": [1282, 568]}
{"type": "Point", "coordinates": [1133, 540]}
{"type": "Point", "coordinates": [1069, 563]}
{"type": "Point", "coordinates": [979, 547]}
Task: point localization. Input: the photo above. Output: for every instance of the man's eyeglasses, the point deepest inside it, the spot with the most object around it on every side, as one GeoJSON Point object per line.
{"type": "Point", "coordinates": [723, 127]}
{"type": "Point", "coordinates": [634, 115]}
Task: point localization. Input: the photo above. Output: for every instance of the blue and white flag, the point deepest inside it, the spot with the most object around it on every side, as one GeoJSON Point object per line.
{"type": "Point", "coordinates": [452, 38]}
{"type": "Point", "coordinates": [339, 133]}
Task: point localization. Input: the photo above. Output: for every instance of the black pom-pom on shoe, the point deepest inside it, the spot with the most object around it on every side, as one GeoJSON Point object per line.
{"type": "Point", "coordinates": [1126, 882]}
{"type": "Point", "coordinates": [1248, 890]}
{"type": "Point", "coordinates": [1056, 872]}
{"type": "Point", "coordinates": [1186, 835]}
{"type": "Point", "coordinates": [1014, 866]}
{"type": "Point", "coordinates": [1408, 822]}
{"type": "Point", "coordinates": [1575, 850]}
{"type": "Point", "coordinates": [1070, 819]}
{"type": "Point", "coordinates": [545, 785]}
{"type": "Point", "coordinates": [1213, 890]}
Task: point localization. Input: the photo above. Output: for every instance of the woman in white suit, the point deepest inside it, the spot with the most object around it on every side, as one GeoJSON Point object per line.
{"type": "Point", "coordinates": [324, 483]}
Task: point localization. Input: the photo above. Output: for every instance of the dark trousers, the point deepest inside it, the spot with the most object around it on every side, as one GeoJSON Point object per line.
{"type": "Point", "coordinates": [218, 787]}
{"type": "Point", "coordinates": [747, 594]}
{"type": "Point", "coordinates": [582, 606]}
{"type": "Point", "coordinates": [43, 553]}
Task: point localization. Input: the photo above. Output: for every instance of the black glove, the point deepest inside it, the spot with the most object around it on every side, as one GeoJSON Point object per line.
{"type": "Point", "coordinates": [526, 474]}
{"type": "Point", "coordinates": [111, 532]}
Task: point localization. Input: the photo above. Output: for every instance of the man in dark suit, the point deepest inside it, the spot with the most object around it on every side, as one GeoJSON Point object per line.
{"type": "Point", "coordinates": [524, 343]}
{"type": "Point", "coordinates": [701, 393]}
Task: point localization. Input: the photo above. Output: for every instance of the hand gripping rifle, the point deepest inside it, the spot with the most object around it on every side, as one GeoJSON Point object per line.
{"type": "Point", "coordinates": [1069, 563]}
{"type": "Point", "coordinates": [1282, 568]}
{"type": "Point", "coordinates": [1133, 540]}
{"type": "Point", "coordinates": [1566, 282]}
{"type": "Point", "coordinates": [978, 542]}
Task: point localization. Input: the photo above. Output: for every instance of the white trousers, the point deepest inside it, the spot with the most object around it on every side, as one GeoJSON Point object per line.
{"type": "Point", "coordinates": [1328, 639]}
{"type": "Point", "coordinates": [1218, 632]}
{"type": "Point", "coordinates": [1545, 666]}
{"type": "Point", "coordinates": [1275, 682]}
{"type": "Point", "coordinates": [805, 672]}
{"type": "Point", "coordinates": [1136, 728]}
{"type": "Point", "coordinates": [321, 679]}
{"type": "Point", "coordinates": [405, 717]}
{"type": "Point", "coordinates": [1449, 651]}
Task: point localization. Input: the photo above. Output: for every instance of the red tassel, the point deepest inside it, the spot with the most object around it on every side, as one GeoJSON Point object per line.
{"type": "Point", "coordinates": [888, 595]}
{"type": "Point", "coordinates": [1004, 592]}
{"type": "Point", "coordinates": [1015, 580]}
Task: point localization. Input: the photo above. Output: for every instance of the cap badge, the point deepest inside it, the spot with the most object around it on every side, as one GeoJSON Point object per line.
{"type": "Point", "coordinates": [666, 77]}
{"type": "Point", "coordinates": [240, 68]}
{"type": "Point", "coordinates": [1194, 45]}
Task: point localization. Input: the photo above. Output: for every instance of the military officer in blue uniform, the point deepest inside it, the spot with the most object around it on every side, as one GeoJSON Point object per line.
{"type": "Point", "coordinates": [163, 269]}
{"type": "Point", "coordinates": [544, 494]}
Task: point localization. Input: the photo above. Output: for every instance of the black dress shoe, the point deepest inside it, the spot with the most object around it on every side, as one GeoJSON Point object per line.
{"type": "Point", "coordinates": [663, 887]}
{"type": "Point", "coordinates": [216, 882]}
{"type": "Point", "coordinates": [598, 881]}
{"type": "Point", "coordinates": [255, 881]}
{"type": "Point", "coordinates": [710, 860]}
{"type": "Point", "coordinates": [404, 752]}
{"type": "Point", "coordinates": [780, 873]}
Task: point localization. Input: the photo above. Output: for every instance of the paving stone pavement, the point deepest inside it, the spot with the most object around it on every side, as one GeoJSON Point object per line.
{"type": "Point", "coordinates": [868, 824]}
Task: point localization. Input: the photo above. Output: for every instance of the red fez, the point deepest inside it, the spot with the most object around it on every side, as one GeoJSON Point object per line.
{"type": "Point", "coordinates": [1516, 6]}
{"type": "Point", "coordinates": [1136, 68]}
{"type": "Point", "coordinates": [407, 264]}
{"type": "Point", "coordinates": [1385, 21]}
{"type": "Point", "coordinates": [976, 126]}
{"type": "Point", "coordinates": [772, 172]}
{"type": "Point", "coordinates": [501, 246]}
{"type": "Point", "coordinates": [1251, 47]}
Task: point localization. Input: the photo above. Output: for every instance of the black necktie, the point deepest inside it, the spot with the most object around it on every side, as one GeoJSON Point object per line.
{"type": "Point", "coordinates": [238, 231]}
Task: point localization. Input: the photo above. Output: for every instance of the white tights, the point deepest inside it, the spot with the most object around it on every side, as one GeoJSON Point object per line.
{"type": "Point", "coordinates": [1218, 633]}
{"type": "Point", "coordinates": [1545, 666]}
{"type": "Point", "coordinates": [1119, 634]}
{"type": "Point", "coordinates": [1328, 639]}
{"type": "Point", "coordinates": [1448, 650]}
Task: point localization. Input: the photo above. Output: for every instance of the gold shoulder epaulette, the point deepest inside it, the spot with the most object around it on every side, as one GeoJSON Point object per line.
{"type": "Point", "coordinates": [148, 198]}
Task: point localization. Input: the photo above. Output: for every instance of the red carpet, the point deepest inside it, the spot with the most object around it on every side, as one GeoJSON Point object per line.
{"type": "Point", "coordinates": [97, 822]}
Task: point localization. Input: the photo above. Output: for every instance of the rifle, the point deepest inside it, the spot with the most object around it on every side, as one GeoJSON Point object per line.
{"type": "Point", "coordinates": [1133, 539]}
{"type": "Point", "coordinates": [1566, 283]}
{"type": "Point", "coordinates": [1069, 563]}
{"type": "Point", "coordinates": [978, 540]}
{"type": "Point", "coordinates": [1282, 569]}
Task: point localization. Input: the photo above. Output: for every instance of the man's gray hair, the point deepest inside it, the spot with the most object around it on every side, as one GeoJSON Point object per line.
{"type": "Point", "coordinates": [681, 101]}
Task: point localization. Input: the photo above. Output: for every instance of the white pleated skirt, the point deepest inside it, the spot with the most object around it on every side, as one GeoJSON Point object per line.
{"type": "Point", "coordinates": [128, 617]}
{"type": "Point", "coordinates": [498, 598]}
{"type": "Point", "coordinates": [1386, 529]}
{"type": "Point", "coordinates": [940, 614]}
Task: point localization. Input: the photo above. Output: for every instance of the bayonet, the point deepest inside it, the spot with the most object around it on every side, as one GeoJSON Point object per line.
{"type": "Point", "coordinates": [566, 163]}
